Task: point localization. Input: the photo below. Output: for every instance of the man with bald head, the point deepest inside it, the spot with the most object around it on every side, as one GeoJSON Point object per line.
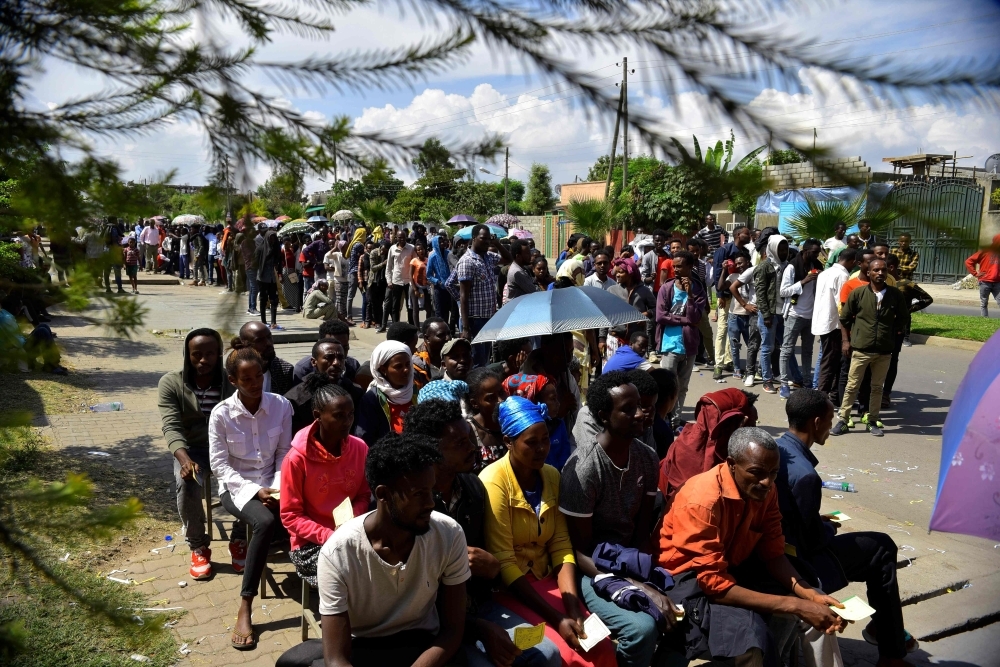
{"type": "Point", "coordinates": [277, 372]}
{"type": "Point", "coordinates": [722, 540]}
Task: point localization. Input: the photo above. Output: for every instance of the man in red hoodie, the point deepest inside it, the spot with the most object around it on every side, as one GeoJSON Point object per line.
{"type": "Point", "coordinates": [985, 266]}
{"type": "Point", "coordinates": [703, 444]}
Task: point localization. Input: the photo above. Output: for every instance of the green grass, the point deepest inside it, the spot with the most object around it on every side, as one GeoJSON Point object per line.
{"type": "Point", "coordinates": [54, 629]}
{"type": "Point", "coordinates": [962, 327]}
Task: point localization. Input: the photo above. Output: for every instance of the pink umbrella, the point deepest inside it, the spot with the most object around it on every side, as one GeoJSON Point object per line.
{"type": "Point", "coordinates": [282, 218]}
{"type": "Point", "coordinates": [521, 234]}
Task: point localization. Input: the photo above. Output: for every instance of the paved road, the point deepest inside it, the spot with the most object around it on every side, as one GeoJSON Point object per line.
{"type": "Point", "coordinates": [973, 311]}
{"type": "Point", "coordinates": [896, 477]}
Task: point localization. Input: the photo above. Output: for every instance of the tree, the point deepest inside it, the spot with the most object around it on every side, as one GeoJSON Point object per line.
{"type": "Point", "coordinates": [820, 218]}
{"type": "Point", "coordinates": [784, 156]}
{"type": "Point", "coordinates": [407, 205]}
{"type": "Point", "coordinates": [539, 198]}
{"type": "Point", "coordinates": [743, 198]}
{"type": "Point", "coordinates": [438, 174]}
{"type": "Point", "coordinates": [593, 217]}
{"type": "Point", "coordinates": [373, 212]}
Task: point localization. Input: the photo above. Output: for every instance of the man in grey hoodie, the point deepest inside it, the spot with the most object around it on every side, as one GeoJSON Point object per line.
{"type": "Point", "coordinates": [186, 398]}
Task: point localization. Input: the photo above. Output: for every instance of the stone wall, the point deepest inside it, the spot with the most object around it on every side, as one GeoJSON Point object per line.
{"type": "Point", "coordinates": [804, 175]}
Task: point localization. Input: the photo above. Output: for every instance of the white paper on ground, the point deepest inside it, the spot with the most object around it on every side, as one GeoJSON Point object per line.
{"type": "Point", "coordinates": [854, 609]}
{"type": "Point", "coordinates": [595, 630]}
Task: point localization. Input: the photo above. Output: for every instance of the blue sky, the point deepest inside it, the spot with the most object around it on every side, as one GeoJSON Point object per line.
{"type": "Point", "coordinates": [492, 93]}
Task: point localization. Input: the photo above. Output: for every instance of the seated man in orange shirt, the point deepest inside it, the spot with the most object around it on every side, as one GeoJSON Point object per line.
{"type": "Point", "coordinates": [724, 530]}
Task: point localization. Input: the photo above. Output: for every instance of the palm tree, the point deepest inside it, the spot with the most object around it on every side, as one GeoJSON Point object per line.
{"type": "Point", "coordinates": [820, 218]}
{"type": "Point", "coordinates": [373, 212]}
{"type": "Point", "coordinates": [593, 217]}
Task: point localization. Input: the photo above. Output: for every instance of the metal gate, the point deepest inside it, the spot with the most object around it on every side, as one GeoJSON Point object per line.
{"type": "Point", "coordinates": [943, 216]}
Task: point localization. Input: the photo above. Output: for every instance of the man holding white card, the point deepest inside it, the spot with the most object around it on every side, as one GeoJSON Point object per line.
{"type": "Point", "coordinates": [812, 540]}
{"type": "Point", "coordinates": [724, 527]}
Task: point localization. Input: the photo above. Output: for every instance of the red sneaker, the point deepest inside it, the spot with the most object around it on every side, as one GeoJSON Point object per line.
{"type": "Point", "coordinates": [238, 551]}
{"type": "Point", "coordinates": [201, 564]}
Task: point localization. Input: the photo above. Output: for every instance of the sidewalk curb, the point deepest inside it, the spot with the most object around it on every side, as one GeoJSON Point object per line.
{"type": "Point", "coordinates": [940, 341]}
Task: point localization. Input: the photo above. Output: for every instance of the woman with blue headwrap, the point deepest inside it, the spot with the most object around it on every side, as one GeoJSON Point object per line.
{"type": "Point", "coordinates": [527, 533]}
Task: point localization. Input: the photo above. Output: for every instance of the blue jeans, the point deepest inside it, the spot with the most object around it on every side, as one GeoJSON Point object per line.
{"type": "Point", "coordinates": [252, 288]}
{"type": "Point", "coordinates": [480, 351]}
{"type": "Point", "coordinates": [744, 327]}
{"type": "Point", "coordinates": [545, 654]}
{"type": "Point", "coordinates": [635, 631]}
{"type": "Point", "coordinates": [790, 370]}
{"type": "Point", "coordinates": [211, 268]}
{"type": "Point", "coordinates": [185, 273]}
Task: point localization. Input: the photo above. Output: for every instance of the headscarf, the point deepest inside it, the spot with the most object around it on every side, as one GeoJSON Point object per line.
{"type": "Point", "coordinates": [526, 386]}
{"type": "Point", "coordinates": [382, 353]}
{"type": "Point", "coordinates": [630, 267]}
{"type": "Point", "coordinates": [518, 414]}
{"type": "Point", "coordinates": [566, 271]}
{"type": "Point", "coordinates": [360, 234]}
{"type": "Point", "coordinates": [772, 251]}
{"type": "Point", "coordinates": [377, 234]}
{"type": "Point", "coordinates": [439, 260]}
{"type": "Point", "coordinates": [446, 390]}
{"type": "Point", "coordinates": [341, 245]}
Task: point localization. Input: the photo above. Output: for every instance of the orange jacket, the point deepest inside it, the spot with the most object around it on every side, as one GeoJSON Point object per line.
{"type": "Point", "coordinates": [706, 531]}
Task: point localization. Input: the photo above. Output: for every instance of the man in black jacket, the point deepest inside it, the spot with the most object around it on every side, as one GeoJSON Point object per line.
{"type": "Point", "coordinates": [876, 315]}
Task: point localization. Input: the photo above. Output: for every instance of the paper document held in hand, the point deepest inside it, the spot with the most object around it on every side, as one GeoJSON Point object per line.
{"type": "Point", "coordinates": [854, 609]}
{"type": "Point", "coordinates": [595, 630]}
{"type": "Point", "coordinates": [525, 638]}
{"type": "Point", "coordinates": [343, 513]}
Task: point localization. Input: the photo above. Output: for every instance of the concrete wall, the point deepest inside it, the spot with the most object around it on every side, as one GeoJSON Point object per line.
{"type": "Point", "coordinates": [582, 190]}
{"type": "Point", "coordinates": [805, 175]}
{"type": "Point", "coordinates": [989, 225]}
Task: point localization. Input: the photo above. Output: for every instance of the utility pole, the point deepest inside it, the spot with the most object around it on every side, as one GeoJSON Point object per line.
{"type": "Point", "coordinates": [624, 137]}
{"type": "Point", "coordinates": [624, 127]}
{"type": "Point", "coordinates": [335, 163]}
{"type": "Point", "coordinates": [814, 158]}
{"type": "Point", "coordinates": [614, 141]}
{"type": "Point", "coordinates": [229, 203]}
{"type": "Point", "coordinates": [506, 170]}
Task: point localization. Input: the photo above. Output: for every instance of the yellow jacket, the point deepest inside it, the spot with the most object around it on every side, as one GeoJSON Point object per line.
{"type": "Point", "coordinates": [520, 540]}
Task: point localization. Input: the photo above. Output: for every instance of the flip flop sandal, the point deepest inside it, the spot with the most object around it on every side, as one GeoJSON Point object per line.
{"type": "Point", "coordinates": [245, 646]}
{"type": "Point", "coordinates": [909, 640]}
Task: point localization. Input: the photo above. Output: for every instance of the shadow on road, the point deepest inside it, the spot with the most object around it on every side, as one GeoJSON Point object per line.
{"type": "Point", "coordinates": [98, 346]}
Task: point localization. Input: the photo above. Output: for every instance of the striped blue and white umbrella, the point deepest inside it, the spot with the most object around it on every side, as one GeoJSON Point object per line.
{"type": "Point", "coordinates": [558, 311]}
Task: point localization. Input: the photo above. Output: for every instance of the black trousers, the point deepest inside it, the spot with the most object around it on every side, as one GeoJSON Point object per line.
{"type": "Point", "coordinates": [395, 297]}
{"type": "Point", "coordinates": [829, 365]}
{"type": "Point", "coordinates": [871, 558]}
{"type": "Point", "coordinates": [402, 648]}
{"type": "Point", "coordinates": [845, 370]}
{"type": "Point", "coordinates": [268, 294]}
{"type": "Point", "coordinates": [376, 294]}
{"type": "Point", "coordinates": [890, 378]}
{"type": "Point", "coordinates": [264, 522]}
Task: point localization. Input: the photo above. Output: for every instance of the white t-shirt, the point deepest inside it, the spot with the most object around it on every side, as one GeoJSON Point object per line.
{"type": "Point", "coordinates": [382, 599]}
{"type": "Point", "coordinates": [746, 291]}
{"type": "Point", "coordinates": [833, 243]}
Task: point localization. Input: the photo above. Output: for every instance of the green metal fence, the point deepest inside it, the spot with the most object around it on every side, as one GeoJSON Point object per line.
{"type": "Point", "coordinates": [943, 217]}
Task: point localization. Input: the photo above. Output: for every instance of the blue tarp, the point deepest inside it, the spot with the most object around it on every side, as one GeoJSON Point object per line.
{"type": "Point", "coordinates": [787, 203]}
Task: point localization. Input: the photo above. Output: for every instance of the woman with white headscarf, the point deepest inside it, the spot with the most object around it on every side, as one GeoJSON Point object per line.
{"type": "Point", "coordinates": [390, 393]}
{"type": "Point", "coordinates": [570, 273]}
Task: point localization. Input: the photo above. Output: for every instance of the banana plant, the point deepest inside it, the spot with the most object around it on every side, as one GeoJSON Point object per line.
{"type": "Point", "coordinates": [717, 158]}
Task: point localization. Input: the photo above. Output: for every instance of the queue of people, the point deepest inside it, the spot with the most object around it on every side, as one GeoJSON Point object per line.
{"type": "Point", "coordinates": [440, 502]}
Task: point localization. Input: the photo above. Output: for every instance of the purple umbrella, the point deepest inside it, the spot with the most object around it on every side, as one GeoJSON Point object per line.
{"type": "Point", "coordinates": [504, 220]}
{"type": "Point", "coordinates": [968, 493]}
{"type": "Point", "coordinates": [462, 218]}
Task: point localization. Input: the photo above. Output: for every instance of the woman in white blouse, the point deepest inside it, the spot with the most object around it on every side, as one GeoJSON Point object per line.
{"type": "Point", "coordinates": [249, 434]}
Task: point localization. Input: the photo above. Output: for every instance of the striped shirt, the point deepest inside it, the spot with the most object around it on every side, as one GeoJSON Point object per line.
{"type": "Point", "coordinates": [207, 398]}
{"type": "Point", "coordinates": [713, 237]}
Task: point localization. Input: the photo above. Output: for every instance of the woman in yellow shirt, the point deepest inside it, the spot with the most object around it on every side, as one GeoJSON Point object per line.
{"type": "Point", "coordinates": [527, 533]}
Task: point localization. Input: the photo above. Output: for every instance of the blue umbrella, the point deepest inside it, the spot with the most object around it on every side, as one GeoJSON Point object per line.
{"type": "Point", "coordinates": [318, 218]}
{"type": "Point", "coordinates": [967, 499]}
{"type": "Point", "coordinates": [558, 311]}
{"type": "Point", "coordinates": [466, 232]}
{"type": "Point", "coordinates": [462, 218]}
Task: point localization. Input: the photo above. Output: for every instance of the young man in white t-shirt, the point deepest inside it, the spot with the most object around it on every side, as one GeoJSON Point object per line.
{"type": "Point", "coordinates": [392, 581]}
{"type": "Point", "coordinates": [742, 320]}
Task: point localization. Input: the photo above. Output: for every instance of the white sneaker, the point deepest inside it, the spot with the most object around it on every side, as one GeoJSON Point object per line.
{"type": "Point", "coordinates": [748, 382]}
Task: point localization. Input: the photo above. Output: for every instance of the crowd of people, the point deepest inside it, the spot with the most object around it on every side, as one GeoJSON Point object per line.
{"type": "Point", "coordinates": [440, 495]}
